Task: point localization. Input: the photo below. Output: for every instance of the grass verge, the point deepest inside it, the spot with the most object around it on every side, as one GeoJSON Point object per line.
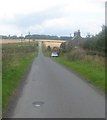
{"type": "Point", "coordinates": [91, 72]}
{"type": "Point", "coordinates": [0, 80]}
{"type": "Point", "coordinates": [16, 61]}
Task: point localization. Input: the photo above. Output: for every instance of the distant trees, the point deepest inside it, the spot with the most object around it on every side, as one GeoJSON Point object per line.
{"type": "Point", "coordinates": [4, 37]}
{"type": "Point", "coordinates": [65, 38]}
{"type": "Point", "coordinates": [92, 44]}
{"type": "Point", "coordinates": [89, 43]}
{"type": "Point", "coordinates": [9, 37]}
{"type": "Point", "coordinates": [36, 36]}
{"type": "Point", "coordinates": [49, 48]}
{"type": "Point", "coordinates": [66, 47]}
{"type": "Point", "coordinates": [98, 42]}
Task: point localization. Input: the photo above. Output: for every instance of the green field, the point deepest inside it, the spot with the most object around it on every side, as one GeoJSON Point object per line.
{"type": "Point", "coordinates": [16, 60]}
{"type": "Point", "coordinates": [91, 71]}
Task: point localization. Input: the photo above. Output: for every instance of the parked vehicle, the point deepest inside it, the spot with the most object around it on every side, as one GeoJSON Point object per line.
{"type": "Point", "coordinates": [54, 52]}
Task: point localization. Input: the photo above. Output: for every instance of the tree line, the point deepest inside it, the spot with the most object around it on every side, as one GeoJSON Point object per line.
{"type": "Point", "coordinates": [36, 36]}
{"type": "Point", "coordinates": [98, 42]}
{"type": "Point", "coordinates": [92, 44]}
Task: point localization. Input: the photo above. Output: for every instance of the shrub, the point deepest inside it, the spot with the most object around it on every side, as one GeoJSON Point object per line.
{"type": "Point", "coordinates": [76, 54]}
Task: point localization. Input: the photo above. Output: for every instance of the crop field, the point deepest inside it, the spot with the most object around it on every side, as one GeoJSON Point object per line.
{"type": "Point", "coordinates": [6, 41]}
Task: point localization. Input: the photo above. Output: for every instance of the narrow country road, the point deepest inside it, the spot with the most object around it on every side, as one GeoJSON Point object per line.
{"type": "Point", "coordinates": [51, 91]}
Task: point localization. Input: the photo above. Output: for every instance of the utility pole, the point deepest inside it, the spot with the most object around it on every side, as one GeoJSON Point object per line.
{"type": "Point", "coordinates": [9, 36]}
{"type": "Point", "coordinates": [29, 37]}
{"type": "Point", "coordinates": [70, 36]}
{"type": "Point", "coordinates": [21, 38]}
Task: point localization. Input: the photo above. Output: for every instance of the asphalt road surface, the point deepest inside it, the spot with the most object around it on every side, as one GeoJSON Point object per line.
{"type": "Point", "coordinates": [51, 91]}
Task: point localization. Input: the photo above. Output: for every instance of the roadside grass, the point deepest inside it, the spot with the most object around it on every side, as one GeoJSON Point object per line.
{"type": "Point", "coordinates": [15, 63]}
{"type": "Point", "coordinates": [0, 93]}
{"type": "Point", "coordinates": [91, 68]}
{"type": "Point", "coordinates": [0, 81]}
{"type": "Point", "coordinates": [91, 71]}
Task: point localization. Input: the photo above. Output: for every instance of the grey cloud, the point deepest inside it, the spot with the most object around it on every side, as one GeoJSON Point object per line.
{"type": "Point", "coordinates": [25, 21]}
{"type": "Point", "coordinates": [38, 22]}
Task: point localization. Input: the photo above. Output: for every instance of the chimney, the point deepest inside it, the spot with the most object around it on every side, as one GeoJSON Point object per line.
{"type": "Point", "coordinates": [74, 34]}
{"type": "Point", "coordinates": [78, 33]}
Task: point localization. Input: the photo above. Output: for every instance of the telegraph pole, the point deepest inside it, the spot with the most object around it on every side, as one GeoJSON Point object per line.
{"type": "Point", "coordinates": [29, 37]}
{"type": "Point", "coordinates": [70, 36]}
{"type": "Point", "coordinates": [21, 37]}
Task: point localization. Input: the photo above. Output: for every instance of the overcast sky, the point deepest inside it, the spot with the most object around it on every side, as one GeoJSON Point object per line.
{"type": "Point", "coordinates": [53, 17]}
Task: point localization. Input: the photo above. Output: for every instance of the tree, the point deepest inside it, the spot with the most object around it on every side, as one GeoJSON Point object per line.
{"type": "Point", "coordinates": [63, 47]}
{"type": "Point", "coordinates": [98, 42]}
{"type": "Point", "coordinates": [49, 48]}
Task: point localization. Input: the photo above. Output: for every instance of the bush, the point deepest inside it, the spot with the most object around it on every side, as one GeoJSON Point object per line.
{"type": "Point", "coordinates": [76, 54]}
